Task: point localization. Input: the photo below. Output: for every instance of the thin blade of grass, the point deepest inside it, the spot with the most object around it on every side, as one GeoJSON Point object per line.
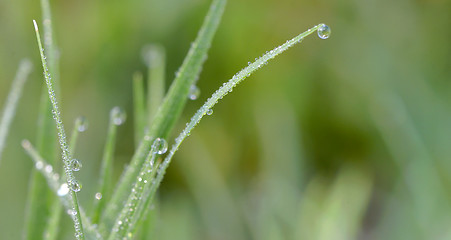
{"type": "Point", "coordinates": [62, 139]}
{"type": "Point", "coordinates": [155, 57]}
{"type": "Point", "coordinates": [226, 88]}
{"type": "Point", "coordinates": [170, 109]}
{"type": "Point", "coordinates": [12, 100]}
{"type": "Point", "coordinates": [127, 219]}
{"type": "Point", "coordinates": [58, 187]}
{"type": "Point", "coordinates": [104, 187]}
{"type": "Point", "coordinates": [139, 109]}
{"type": "Point", "coordinates": [40, 201]}
{"type": "Point", "coordinates": [53, 224]}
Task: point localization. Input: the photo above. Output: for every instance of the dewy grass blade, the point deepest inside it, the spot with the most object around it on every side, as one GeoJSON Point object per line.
{"type": "Point", "coordinates": [139, 109]}
{"type": "Point", "coordinates": [53, 224]}
{"type": "Point", "coordinates": [40, 200]}
{"type": "Point", "coordinates": [126, 218]}
{"type": "Point", "coordinates": [169, 111]}
{"type": "Point", "coordinates": [226, 88]}
{"type": "Point", "coordinates": [155, 58]}
{"type": "Point", "coordinates": [59, 188]}
{"type": "Point", "coordinates": [12, 100]}
{"type": "Point", "coordinates": [104, 188]}
{"type": "Point", "coordinates": [62, 139]}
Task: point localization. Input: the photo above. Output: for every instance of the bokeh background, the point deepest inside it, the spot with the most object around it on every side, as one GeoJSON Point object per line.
{"type": "Point", "coordinates": [345, 138]}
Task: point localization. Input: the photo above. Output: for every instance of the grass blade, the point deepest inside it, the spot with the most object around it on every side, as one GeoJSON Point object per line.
{"type": "Point", "coordinates": [129, 215]}
{"type": "Point", "coordinates": [226, 88]}
{"type": "Point", "coordinates": [12, 100]}
{"type": "Point", "coordinates": [116, 118]}
{"type": "Point", "coordinates": [155, 57]}
{"type": "Point", "coordinates": [170, 110]}
{"type": "Point", "coordinates": [139, 109]}
{"type": "Point", "coordinates": [59, 188]}
{"type": "Point", "coordinates": [62, 139]}
{"type": "Point", "coordinates": [53, 224]}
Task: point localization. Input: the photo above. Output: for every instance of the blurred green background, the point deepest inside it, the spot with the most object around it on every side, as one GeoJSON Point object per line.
{"type": "Point", "coordinates": [345, 138]}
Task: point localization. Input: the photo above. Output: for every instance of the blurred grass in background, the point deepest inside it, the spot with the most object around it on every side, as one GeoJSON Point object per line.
{"type": "Point", "coordinates": [338, 139]}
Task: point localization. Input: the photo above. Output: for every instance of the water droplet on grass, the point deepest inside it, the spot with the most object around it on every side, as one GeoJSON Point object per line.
{"type": "Point", "coordinates": [82, 124]}
{"type": "Point", "coordinates": [194, 92]}
{"type": "Point", "coordinates": [323, 31]}
{"type": "Point", "coordinates": [75, 165]}
{"type": "Point", "coordinates": [161, 146]}
{"type": "Point", "coordinates": [75, 186]}
{"type": "Point", "coordinates": [98, 196]}
{"type": "Point", "coordinates": [209, 112]}
{"type": "Point", "coordinates": [118, 115]}
{"type": "Point", "coordinates": [39, 165]}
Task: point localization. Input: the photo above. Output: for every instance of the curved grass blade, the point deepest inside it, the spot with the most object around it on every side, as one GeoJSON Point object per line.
{"type": "Point", "coordinates": [107, 165]}
{"type": "Point", "coordinates": [12, 100]}
{"type": "Point", "coordinates": [226, 88]}
{"type": "Point", "coordinates": [170, 109]}
{"type": "Point", "coordinates": [62, 139]}
{"type": "Point", "coordinates": [59, 188]}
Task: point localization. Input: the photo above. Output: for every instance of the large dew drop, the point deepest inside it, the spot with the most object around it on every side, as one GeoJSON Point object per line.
{"type": "Point", "coordinates": [82, 124]}
{"type": "Point", "coordinates": [323, 31]}
{"type": "Point", "coordinates": [194, 92]}
{"type": "Point", "coordinates": [118, 116]}
{"type": "Point", "coordinates": [98, 196]}
{"type": "Point", "coordinates": [160, 145]}
{"type": "Point", "coordinates": [75, 164]}
{"type": "Point", "coordinates": [75, 186]}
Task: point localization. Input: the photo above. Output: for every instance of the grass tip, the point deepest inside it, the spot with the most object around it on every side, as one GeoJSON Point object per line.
{"type": "Point", "coordinates": [35, 25]}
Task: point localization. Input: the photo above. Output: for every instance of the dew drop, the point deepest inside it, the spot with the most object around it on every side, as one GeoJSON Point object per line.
{"type": "Point", "coordinates": [209, 112]}
{"type": "Point", "coordinates": [161, 146]}
{"type": "Point", "coordinates": [39, 165]}
{"type": "Point", "coordinates": [118, 115]}
{"type": "Point", "coordinates": [75, 164]}
{"type": "Point", "coordinates": [82, 123]}
{"type": "Point", "coordinates": [194, 92]}
{"type": "Point", "coordinates": [63, 190]}
{"type": "Point", "coordinates": [75, 186]}
{"type": "Point", "coordinates": [48, 168]}
{"type": "Point", "coordinates": [323, 31]}
{"type": "Point", "coordinates": [98, 196]}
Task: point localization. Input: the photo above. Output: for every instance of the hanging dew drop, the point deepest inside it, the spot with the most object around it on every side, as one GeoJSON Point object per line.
{"type": "Point", "coordinates": [118, 116]}
{"type": "Point", "coordinates": [75, 186]}
{"type": "Point", "coordinates": [160, 145]}
{"type": "Point", "coordinates": [75, 165]}
{"type": "Point", "coordinates": [98, 196]}
{"type": "Point", "coordinates": [194, 92]}
{"type": "Point", "coordinates": [209, 112]}
{"type": "Point", "coordinates": [82, 124]}
{"type": "Point", "coordinates": [63, 190]}
{"type": "Point", "coordinates": [323, 31]}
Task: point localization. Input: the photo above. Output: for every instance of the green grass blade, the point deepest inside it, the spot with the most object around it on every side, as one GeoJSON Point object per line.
{"type": "Point", "coordinates": [53, 224]}
{"type": "Point", "coordinates": [116, 115]}
{"type": "Point", "coordinates": [155, 57]}
{"type": "Point", "coordinates": [131, 211]}
{"type": "Point", "coordinates": [62, 139]}
{"type": "Point", "coordinates": [170, 110]}
{"type": "Point", "coordinates": [139, 109]}
{"type": "Point", "coordinates": [226, 88]}
{"type": "Point", "coordinates": [40, 200]}
{"type": "Point", "coordinates": [11, 102]}
{"type": "Point", "coordinates": [60, 188]}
